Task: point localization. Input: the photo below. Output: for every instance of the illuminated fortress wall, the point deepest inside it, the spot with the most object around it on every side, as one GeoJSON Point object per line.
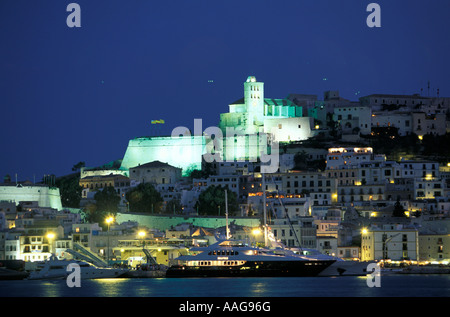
{"type": "Point", "coordinates": [244, 148]}
{"type": "Point", "coordinates": [184, 151]}
{"type": "Point", "coordinates": [45, 196]}
{"type": "Point", "coordinates": [164, 222]}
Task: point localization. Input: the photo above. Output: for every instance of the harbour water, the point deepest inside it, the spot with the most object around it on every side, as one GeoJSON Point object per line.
{"type": "Point", "coordinates": [344, 286]}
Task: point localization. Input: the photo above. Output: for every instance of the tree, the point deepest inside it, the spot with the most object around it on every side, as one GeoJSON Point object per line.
{"type": "Point", "coordinates": [105, 205]}
{"type": "Point", "coordinates": [173, 206]}
{"type": "Point", "coordinates": [107, 200]}
{"type": "Point", "coordinates": [399, 211]}
{"type": "Point", "coordinates": [333, 126]}
{"type": "Point", "coordinates": [301, 160]}
{"type": "Point", "coordinates": [93, 215]}
{"type": "Point", "coordinates": [207, 170]}
{"type": "Point", "coordinates": [212, 199]}
{"type": "Point", "coordinates": [144, 198]}
{"type": "Point", "coordinates": [78, 166]}
{"type": "Point", "coordinates": [69, 190]}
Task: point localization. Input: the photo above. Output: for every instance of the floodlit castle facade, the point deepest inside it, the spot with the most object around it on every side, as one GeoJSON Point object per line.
{"type": "Point", "coordinates": [256, 114]}
{"type": "Point", "coordinates": [249, 130]}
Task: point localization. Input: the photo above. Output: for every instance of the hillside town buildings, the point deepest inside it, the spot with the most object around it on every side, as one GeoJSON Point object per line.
{"type": "Point", "coordinates": [343, 206]}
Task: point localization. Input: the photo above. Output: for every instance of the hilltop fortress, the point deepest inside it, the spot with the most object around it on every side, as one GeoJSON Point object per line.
{"type": "Point", "coordinates": [250, 131]}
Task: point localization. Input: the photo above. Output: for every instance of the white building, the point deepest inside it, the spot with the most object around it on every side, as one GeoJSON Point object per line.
{"type": "Point", "coordinates": [155, 172]}
{"type": "Point", "coordinates": [309, 183]}
{"type": "Point", "coordinates": [327, 245]}
{"type": "Point", "coordinates": [254, 113]}
{"type": "Point", "coordinates": [289, 207]}
{"type": "Point", "coordinates": [232, 168]}
{"type": "Point", "coordinates": [403, 121]}
{"type": "Point", "coordinates": [419, 169]}
{"type": "Point", "coordinates": [429, 124]}
{"type": "Point", "coordinates": [11, 242]}
{"type": "Point", "coordinates": [379, 102]}
{"type": "Point", "coordinates": [37, 243]}
{"type": "Point", "coordinates": [428, 188]}
{"type": "Point", "coordinates": [301, 230]}
{"type": "Point", "coordinates": [354, 119]}
{"type": "Point", "coordinates": [345, 157]}
{"type": "Point", "coordinates": [391, 241]}
{"type": "Point", "coordinates": [232, 181]}
{"type": "Point", "coordinates": [372, 172]}
{"type": "Point", "coordinates": [289, 129]}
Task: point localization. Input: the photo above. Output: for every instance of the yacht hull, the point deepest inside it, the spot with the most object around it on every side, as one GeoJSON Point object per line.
{"type": "Point", "coordinates": [102, 273]}
{"type": "Point", "coordinates": [253, 269]}
{"type": "Point", "coordinates": [346, 268]}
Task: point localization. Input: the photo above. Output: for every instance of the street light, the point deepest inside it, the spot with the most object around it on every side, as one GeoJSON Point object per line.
{"type": "Point", "coordinates": [364, 250]}
{"type": "Point", "coordinates": [108, 221]}
{"type": "Point", "coordinates": [141, 235]}
{"type": "Point", "coordinates": [50, 237]}
{"type": "Point", "coordinates": [256, 232]}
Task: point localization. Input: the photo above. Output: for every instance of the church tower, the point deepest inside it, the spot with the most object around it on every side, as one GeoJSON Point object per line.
{"type": "Point", "coordinates": [254, 104]}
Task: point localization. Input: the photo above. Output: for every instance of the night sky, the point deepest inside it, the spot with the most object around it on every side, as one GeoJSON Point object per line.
{"type": "Point", "coordinates": [79, 94]}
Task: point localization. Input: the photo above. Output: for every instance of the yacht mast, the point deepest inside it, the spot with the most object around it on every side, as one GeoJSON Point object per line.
{"type": "Point", "coordinates": [264, 208]}
{"type": "Point", "coordinates": [226, 214]}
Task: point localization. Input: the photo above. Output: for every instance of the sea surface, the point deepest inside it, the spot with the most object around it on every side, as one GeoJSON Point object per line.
{"type": "Point", "coordinates": [343, 286]}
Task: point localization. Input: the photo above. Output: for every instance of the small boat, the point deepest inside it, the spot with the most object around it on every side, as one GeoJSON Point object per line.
{"type": "Point", "coordinates": [9, 274]}
{"type": "Point", "coordinates": [54, 268]}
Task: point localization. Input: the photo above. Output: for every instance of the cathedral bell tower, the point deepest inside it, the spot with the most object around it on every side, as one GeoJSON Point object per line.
{"type": "Point", "coordinates": [254, 103]}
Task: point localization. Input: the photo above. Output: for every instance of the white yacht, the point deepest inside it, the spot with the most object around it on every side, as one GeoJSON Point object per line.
{"type": "Point", "coordinates": [233, 258]}
{"type": "Point", "coordinates": [54, 268]}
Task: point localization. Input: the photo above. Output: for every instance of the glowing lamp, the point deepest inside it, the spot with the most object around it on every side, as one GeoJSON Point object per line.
{"type": "Point", "coordinates": [256, 232]}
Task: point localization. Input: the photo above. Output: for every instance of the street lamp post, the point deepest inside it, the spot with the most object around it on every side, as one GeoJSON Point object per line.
{"type": "Point", "coordinates": [141, 235]}
{"type": "Point", "coordinates": [108, 221]}
{"type": "Point", "coordinates": [256, 232]}
{"type": "Point", "coordinates": [50, 237]}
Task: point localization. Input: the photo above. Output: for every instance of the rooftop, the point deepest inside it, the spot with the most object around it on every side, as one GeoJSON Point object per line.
{"type": "Point", "coordinates": [416, 96]}
{"type": "Point", "coordinates": [154, 164]}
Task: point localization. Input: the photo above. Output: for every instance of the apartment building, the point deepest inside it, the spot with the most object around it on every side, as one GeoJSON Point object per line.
{"type": "Point", "coordinates": [321, 190]}
{"type": "Point", "coordinates": [390, 241]}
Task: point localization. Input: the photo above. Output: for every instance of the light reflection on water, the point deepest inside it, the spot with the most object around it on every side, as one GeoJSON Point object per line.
{"type": "Point", "coordinates": [413, 286]}
{"type": "Point", "coordinates": [258, 289]}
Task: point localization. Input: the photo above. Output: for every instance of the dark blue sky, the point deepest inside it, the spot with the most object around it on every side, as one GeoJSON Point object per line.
{"type": "Point", "coordinates": [79, 94]}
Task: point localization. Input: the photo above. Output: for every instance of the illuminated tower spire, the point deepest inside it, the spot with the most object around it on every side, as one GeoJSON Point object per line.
{"type": "Point", "coordinates": [254, 103]}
